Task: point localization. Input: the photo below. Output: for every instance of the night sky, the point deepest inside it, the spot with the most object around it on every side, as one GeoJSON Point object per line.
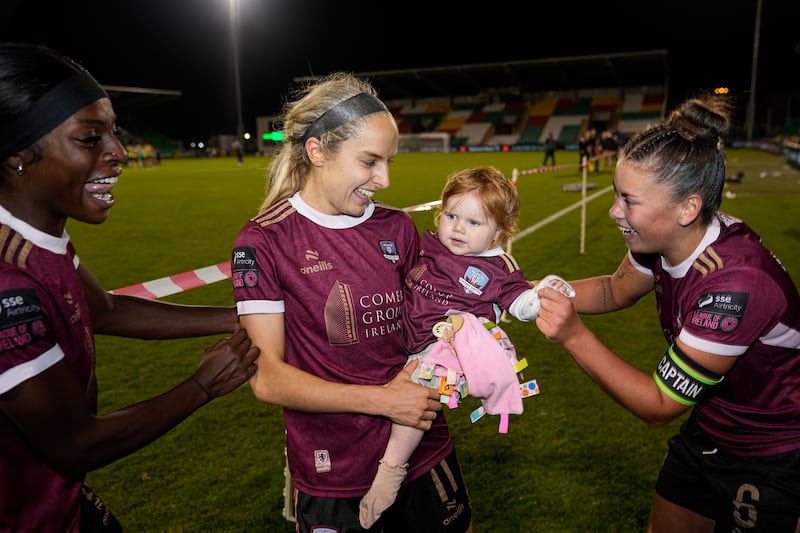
{"type": "Point", "coordinates": [185, 45]}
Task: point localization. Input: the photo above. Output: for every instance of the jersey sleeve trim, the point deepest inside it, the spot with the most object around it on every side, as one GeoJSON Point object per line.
{"type": "Point", "coordinates": [25, 371]}
{"type": "Point", "coordinates": [638, 266]}
{"type": "Point", "coordinates": [716, 348]}
{"type": "Point", "coordinates": [782, 336]}
{"type": "Point", "coordinates": [255, 307]}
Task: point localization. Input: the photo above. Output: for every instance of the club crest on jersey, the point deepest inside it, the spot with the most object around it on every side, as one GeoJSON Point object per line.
{"type": "Point", "coordinates": [244, 269]}
{"type": "Point", "coordinates": [474, 280]}
{"type": "Point", "coordinates": [389, 249]}
{"type": "Point", "coordinates": [322, 461]}
{"type": "Point", "coordinates": [719, 311]}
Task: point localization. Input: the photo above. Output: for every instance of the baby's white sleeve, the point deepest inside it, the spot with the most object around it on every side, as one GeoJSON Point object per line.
{"type": "Point", "coordinates": [526, 307]}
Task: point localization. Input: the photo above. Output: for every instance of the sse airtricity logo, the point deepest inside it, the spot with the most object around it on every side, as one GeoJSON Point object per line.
{"type": "Point", "coordinates": [19, 304]}
{"type": "Point", "coordinates": [20, 318]}
{"type": "Point", "coordinates": [719, 311]}
{"type": "Point", "coordinates": [244, 270]}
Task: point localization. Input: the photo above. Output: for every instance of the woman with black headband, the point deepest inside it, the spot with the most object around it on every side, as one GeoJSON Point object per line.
{"type": "Point", "coordinates": [59, 159]}
{"type": "Point", "coordinates": [318, 282]}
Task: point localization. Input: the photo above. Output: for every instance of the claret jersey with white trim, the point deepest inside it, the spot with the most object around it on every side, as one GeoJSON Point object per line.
{"type": "Point", "coordinates": [732, 297]}
{"type": "Point", "coordinates": [339, 282]}
{"type": "Point", "coordinates": [44, 318]}
{"type": "Point", "coordinates": [441, 281]}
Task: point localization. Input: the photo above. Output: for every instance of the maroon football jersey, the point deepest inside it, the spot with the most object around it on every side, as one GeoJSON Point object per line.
{"type": "Point", "coordinates": [339, 282]}
{"type": "Point", "coordinates": [732, 297]}
{"type": "Point", "coordinates": [442, 281]}
{"type": "Point", "coordinates": [44, 318]}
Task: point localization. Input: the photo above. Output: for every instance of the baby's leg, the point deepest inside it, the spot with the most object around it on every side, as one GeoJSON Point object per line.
{"type": "Point", "coordinates": [392, 471]}
{"type": "Point", "coordinates": [402, 443]}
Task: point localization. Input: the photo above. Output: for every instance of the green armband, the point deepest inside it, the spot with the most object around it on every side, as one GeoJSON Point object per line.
{"type": "Point", "coordinates": [682, 379]}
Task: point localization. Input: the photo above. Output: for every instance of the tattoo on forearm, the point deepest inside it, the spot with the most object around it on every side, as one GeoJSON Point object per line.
{"type": "Point", "coordinates": [605, 302]}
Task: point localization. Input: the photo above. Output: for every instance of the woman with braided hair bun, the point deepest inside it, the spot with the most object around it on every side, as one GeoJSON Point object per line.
{"type": "Point", "coordinates": [730, 314]}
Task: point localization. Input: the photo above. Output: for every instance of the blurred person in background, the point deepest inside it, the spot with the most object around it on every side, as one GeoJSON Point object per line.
{"type": "Point", "coordinates": [550, 146]}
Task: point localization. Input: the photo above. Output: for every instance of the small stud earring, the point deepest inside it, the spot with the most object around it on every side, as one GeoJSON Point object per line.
{"type": "Point", "coordinates": [19, 169]}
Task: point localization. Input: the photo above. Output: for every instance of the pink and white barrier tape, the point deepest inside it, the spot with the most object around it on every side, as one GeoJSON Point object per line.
{"type": "Point", "coordinates": [158, 288]}
{"type": "Point", "coordinates": [161, 287]}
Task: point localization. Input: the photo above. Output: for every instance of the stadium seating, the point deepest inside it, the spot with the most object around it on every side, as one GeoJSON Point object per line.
{"type": "Point", "coordinates": [472, 121]}
{"type": "Point", "coordinates": [640, 109]}
{"type": "Point", "coordinates": [453, 121]}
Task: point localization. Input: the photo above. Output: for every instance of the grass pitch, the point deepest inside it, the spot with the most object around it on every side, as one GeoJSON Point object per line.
{"type": "Point", "coordinates": [574, 461]}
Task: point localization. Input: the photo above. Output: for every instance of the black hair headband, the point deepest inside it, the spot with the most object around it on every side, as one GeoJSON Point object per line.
{"type": "Point", "coordinates": [353, 108]}
{"type": "Point", "coordinates": [48, 112]}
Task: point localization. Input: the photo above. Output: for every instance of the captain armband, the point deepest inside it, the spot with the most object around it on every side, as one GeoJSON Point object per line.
{"type": "Point", "coordinates": [682, 379]}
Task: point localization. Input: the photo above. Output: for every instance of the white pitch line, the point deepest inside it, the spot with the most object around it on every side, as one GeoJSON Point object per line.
{"type": "Point", "coordinates": [559, 214]}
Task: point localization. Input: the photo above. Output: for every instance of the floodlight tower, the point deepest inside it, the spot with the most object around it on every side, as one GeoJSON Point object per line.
{"type": "Point", "coordinates": [751, 106]}
{"type": "Point", "coordinates": [234, 21]}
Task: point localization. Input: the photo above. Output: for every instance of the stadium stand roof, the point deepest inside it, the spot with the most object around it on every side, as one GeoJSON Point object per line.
{"type": "Point", "coordinates": [128, 102]}
{"type": "Point", "coordinates": [133, 98]}
{"type": "Point", "coordinates": [552, 74]}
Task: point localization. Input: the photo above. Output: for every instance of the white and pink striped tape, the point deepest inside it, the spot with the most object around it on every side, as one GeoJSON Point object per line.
{"type": "Point", "coordinates": [185, 281]}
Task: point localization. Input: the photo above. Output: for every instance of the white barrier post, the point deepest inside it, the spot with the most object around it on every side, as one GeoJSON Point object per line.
{"type": "Point", "coordinates": [288, 492]}
{"type": "Point", "coordinates": [583, 205]}
{"type": "Point", "coordinates": [514, 176]}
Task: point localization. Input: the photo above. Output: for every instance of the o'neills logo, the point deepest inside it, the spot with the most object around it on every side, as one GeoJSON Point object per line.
{"type": "Point", "coordinates": [320, 265]}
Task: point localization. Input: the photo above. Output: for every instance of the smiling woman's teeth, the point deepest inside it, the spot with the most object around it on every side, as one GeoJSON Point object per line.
{"type": "Point", "coordinates": [626, 231]}
{"type": "Point", "coordinates": [98, 184]}
{"type": "Point", "coordinates": [101, 188]}
{"type": "Point", "coordinates": [366, 192]}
